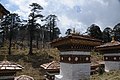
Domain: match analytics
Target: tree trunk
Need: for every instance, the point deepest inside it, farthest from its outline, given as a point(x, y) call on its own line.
point(31, 40)
point(31, 37)
point(53, 29)
point(50, 32)
point(37, 42)
point(10, 43)
point(3, 38)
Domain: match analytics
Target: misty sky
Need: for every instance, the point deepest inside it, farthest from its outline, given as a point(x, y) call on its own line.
point(79, 14)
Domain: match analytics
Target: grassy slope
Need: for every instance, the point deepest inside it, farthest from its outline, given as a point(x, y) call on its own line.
point(31, 63)
point(112, 75)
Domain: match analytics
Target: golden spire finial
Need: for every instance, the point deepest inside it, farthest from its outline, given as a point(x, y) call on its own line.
point(113, 39)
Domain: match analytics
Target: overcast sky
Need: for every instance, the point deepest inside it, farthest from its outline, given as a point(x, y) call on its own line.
point(79, 14)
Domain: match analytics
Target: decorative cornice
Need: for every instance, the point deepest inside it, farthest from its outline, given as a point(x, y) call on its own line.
point(75, 59)
point(112, 58)
point(73, 47)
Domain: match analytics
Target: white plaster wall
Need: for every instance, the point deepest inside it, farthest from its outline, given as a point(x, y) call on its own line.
point(112, 65)
point(74, 71)
point(81, 71)
point(66, 69)
point(76, 53)
point(111, 54)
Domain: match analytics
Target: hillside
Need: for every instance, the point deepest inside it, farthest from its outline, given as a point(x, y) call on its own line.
point(31, 63)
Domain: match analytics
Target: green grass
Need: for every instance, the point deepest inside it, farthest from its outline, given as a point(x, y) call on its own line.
point(36, 73)
point(112, 75)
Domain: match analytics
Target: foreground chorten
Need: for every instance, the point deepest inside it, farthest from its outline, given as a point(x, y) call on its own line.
point(51, 69)
point(8, 70)
point(75, 56)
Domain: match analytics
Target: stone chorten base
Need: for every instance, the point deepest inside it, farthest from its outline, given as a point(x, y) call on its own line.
point(112, 65)
point(74, 72)
point(112, 62)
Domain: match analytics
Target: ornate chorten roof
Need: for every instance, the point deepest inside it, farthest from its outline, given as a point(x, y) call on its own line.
point(3, 10)
point(11, 66)
point(112, 46)
point(52, 66)
point(75, 41)
point(24, 77)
